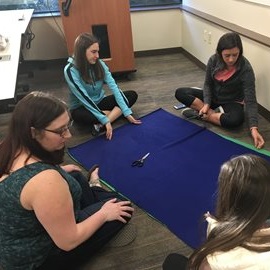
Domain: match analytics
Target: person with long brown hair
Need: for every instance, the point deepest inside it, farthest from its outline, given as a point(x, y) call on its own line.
point(85, 75)
point(228, 91)
point(238, 235)
point(50, 217)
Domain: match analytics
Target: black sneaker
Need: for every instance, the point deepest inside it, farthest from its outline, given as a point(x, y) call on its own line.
point(97, 129)
point(190, 114)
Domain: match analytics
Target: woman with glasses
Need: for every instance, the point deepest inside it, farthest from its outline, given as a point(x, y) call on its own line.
point(50, 217)
point(85, 75)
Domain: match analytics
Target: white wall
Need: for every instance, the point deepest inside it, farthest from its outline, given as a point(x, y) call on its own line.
point(49, 42)
point(151, 30)
point(243, 13)
point(173, 28)
point(156, 29)
point(200, 37)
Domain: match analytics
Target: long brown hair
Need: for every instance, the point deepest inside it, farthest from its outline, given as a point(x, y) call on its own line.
point(243, 207)
point(229, 41)
point(87, 70)
point(36, 110)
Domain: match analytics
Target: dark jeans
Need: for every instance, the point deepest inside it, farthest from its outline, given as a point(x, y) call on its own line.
point(84, 117)
point(233, 115)
point(91, 201)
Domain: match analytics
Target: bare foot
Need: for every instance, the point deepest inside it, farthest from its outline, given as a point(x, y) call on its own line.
point(94, 180)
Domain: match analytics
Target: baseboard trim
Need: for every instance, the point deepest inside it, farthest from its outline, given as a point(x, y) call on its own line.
point(158, 52)
point(194, 59)
point(264, 112)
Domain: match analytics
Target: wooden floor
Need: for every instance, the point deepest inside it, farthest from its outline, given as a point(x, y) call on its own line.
point(156, 79)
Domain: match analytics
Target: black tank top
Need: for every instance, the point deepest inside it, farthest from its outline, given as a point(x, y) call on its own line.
point(24, 243)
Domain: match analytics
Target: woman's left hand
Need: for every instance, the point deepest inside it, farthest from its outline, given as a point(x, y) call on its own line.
point(257, 137)
point(71, 168)
point(132, 120)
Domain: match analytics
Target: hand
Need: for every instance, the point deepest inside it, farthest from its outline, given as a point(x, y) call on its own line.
point(114, 210)
point(204, 110)
point(132, 120)
point(257, 138)
point(71, 168)
point(109, 131)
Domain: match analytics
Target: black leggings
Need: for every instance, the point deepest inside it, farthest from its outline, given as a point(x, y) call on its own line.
point(175, 261)
point(84, 117)
point(233, 115)
point(91, 201)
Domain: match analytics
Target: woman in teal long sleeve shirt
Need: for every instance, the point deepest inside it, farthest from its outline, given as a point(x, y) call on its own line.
point(85, 75)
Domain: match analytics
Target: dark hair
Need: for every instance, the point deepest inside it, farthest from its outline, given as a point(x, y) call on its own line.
point(229, 41)
point(36, 110)
point(82, 43)
point(242, 208)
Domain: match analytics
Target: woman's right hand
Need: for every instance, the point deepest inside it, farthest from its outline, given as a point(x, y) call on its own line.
point(117, 210)
point(204, 110)
point(133, 120)
point(257, 138)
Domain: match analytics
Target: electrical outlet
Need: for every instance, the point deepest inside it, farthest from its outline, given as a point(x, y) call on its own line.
point(204, 35)
point(209, 37)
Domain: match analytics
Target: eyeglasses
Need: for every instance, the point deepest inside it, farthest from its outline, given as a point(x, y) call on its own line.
point(61, 131)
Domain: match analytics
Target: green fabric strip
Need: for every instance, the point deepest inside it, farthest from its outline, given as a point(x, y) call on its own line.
point(247, 145)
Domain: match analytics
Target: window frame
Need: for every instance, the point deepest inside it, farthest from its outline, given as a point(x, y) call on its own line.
point(143, 5)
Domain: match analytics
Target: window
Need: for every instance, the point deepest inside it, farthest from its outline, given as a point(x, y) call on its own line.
point(49, 6)
point(147, 3)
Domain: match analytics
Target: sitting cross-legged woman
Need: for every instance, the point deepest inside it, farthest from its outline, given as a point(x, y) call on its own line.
point(86, 75)
point(228, 91)
point(50, 217)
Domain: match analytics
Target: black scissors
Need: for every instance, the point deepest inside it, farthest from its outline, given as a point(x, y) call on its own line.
point(139, 162)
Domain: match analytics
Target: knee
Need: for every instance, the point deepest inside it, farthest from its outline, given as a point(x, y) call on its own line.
point(179, 93)
point(184, 96)
point(119, 199)
point(228, 120)
point(132, 97)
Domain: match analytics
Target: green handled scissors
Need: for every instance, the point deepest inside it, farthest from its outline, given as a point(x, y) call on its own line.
point(139, 162)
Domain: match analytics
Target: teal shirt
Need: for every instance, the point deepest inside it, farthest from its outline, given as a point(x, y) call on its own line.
point(24, 243)
point(89, 95)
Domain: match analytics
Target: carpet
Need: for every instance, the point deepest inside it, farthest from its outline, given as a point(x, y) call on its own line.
point(177, 183)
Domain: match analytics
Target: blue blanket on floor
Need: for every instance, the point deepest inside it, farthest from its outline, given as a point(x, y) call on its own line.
point(177, 183)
